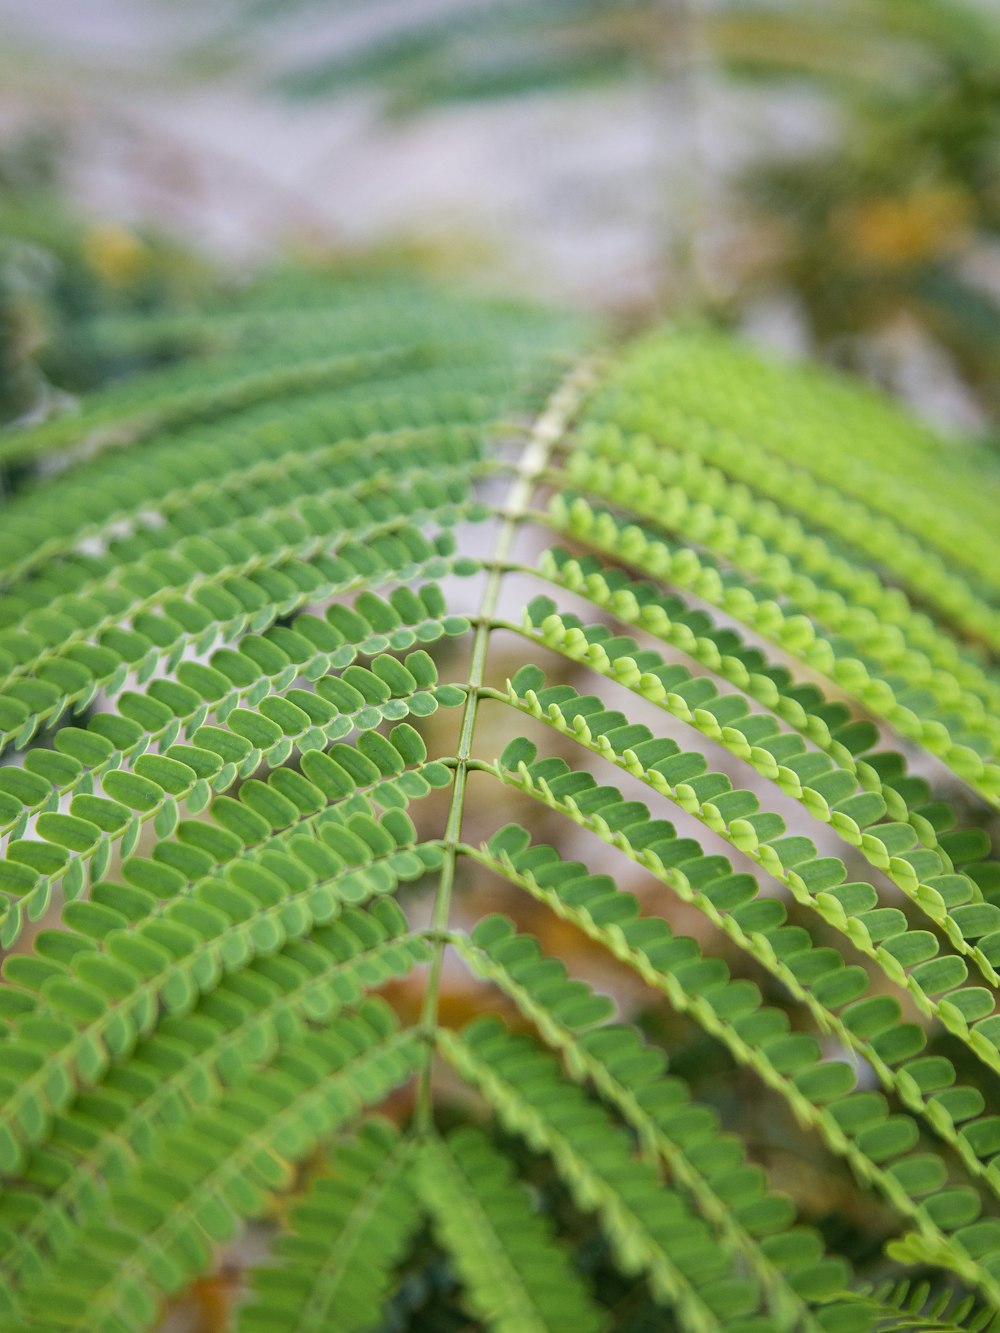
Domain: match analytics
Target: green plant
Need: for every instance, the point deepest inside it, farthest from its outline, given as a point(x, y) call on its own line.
point(889, 224)
point(57, 274)
point(235, 616)
point(896, 224)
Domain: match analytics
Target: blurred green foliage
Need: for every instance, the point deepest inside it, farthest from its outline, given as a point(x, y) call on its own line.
point(898, 216)
point(58, 272)
point(894, 221)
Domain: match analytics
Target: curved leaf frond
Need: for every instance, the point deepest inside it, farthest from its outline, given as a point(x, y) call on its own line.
point(275, 616)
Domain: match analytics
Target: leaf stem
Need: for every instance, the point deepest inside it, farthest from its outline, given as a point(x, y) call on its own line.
point(548, 429)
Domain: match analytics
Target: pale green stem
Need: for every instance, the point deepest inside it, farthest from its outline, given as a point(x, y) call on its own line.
point(548, 430)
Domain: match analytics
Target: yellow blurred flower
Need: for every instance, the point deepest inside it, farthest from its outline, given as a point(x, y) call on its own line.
point(114, 253)
point(893, 231)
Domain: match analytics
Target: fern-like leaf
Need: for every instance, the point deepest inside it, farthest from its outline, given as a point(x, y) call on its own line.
point(347, 1232)
point(515, 1277)
point(262, 734)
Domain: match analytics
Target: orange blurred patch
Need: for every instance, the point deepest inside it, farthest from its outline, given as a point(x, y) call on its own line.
point(459, 1002)
point(897, 231)
point(212, 1300)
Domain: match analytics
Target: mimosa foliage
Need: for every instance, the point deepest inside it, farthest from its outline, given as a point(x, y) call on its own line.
point(262, 743)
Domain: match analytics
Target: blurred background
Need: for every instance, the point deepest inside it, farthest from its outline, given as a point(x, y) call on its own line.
point(823, 175)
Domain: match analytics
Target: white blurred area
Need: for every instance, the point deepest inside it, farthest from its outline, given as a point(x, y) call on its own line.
point(578, 197)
